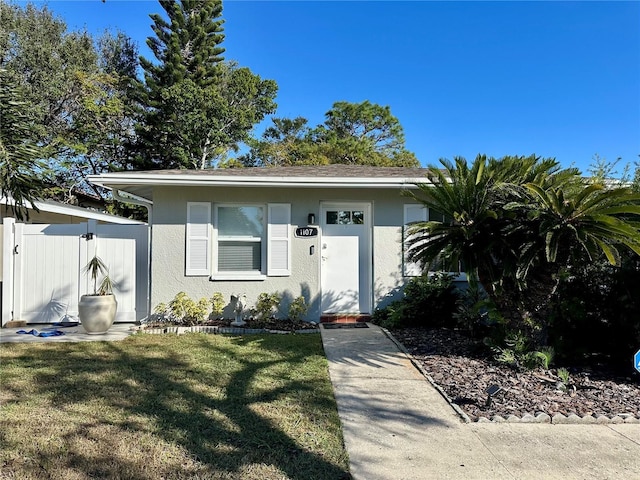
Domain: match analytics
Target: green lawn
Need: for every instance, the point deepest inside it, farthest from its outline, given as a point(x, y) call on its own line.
point(165, 406)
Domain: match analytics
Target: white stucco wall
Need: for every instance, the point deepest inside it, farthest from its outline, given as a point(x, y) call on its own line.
point(168, 243)
point(1, 251)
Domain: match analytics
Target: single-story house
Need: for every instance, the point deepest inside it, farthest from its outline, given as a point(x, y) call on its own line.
point(333, 234)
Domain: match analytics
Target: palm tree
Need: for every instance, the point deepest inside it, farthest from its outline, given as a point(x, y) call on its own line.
point(19, 155)
point(515, 223)
point(572, 225)
point(474, 198)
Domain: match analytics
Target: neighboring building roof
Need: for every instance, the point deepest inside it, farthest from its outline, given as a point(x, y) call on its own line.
point(312, 176)
point(64, 210)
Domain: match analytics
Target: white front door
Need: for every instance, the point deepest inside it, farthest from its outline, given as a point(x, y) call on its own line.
point(346, 257)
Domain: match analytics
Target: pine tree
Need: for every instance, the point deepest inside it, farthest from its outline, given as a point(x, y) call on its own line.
point(187, 49)
point(196, 106)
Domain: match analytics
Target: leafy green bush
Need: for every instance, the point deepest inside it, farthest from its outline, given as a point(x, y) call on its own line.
point(429, 301)
point(597, 313)
point(217, 304)
point(516, 350)
point(267, 305)
point(183, 310)
point(475, 313)
point(389, 316)
point(298, 308)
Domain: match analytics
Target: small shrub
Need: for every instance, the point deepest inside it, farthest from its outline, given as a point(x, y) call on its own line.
point(217, 304)
point(564, 376)
point(298, 308)
point(515, 351)
point(267, 305)
point(161, 309)
point(546, 356)
point(476, 314)
point(429, 301)
point(161, 314)
point(389, 316)
point(179, 305)
point(182, 310)
point(198, 311)
point(596, 312)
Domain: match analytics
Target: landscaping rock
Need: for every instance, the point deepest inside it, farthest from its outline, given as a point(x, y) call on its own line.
point(559, 419)
point(543, 418)
point(464, 368)
point(527, 418)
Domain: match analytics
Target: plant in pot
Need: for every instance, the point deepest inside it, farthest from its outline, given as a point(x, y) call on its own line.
point(97, 311)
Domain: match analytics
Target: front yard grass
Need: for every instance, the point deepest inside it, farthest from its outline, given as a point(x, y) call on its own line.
point(166, 406)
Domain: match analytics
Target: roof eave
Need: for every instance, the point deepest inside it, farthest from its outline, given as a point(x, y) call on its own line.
point(107, 180)
point(74, 211)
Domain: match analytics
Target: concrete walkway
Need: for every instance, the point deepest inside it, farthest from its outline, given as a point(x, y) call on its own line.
point(398, 427)
point(118, 331)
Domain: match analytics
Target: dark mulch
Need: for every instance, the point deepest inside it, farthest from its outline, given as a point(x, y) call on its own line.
point(285, 325)
point(465, 369)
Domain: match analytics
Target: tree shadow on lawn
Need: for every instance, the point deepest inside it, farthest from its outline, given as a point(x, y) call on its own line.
point(211, 411)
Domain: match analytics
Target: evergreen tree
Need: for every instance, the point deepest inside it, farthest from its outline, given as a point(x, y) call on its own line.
point(196, 106)
point(186, 47)
point(353, 133)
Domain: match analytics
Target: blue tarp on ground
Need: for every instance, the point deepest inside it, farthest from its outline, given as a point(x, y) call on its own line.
point(34, 332)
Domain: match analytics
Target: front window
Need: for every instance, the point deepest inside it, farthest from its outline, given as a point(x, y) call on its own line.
point(345, 217)
point(420, 213)
point(240, 238)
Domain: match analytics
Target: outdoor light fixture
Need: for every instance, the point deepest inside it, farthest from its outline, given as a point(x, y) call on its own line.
point(491, 391)
point(311, 218)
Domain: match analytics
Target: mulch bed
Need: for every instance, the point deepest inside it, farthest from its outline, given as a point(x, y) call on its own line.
point(464, 369)
point(282, 325)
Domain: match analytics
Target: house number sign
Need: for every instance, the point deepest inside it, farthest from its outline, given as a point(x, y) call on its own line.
point(306, 232)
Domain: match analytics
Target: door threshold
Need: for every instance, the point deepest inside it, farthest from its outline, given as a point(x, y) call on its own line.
point(345, 318)
point(331, 326)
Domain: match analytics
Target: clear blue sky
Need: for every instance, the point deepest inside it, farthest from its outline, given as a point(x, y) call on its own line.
point(559, 79)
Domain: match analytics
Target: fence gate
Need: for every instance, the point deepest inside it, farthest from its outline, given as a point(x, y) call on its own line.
point(45, 270)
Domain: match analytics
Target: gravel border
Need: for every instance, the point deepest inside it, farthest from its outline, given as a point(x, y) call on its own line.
point(557, 419)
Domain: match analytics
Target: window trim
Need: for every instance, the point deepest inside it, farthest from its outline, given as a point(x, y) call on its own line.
point(239, 275)
point(458, 276)
point(410, 269)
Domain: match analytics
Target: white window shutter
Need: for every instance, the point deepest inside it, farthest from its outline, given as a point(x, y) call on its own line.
point(412, 213)
point(198, 241)
point(279, 240)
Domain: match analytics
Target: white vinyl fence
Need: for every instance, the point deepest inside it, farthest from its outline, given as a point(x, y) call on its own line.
point(42, 269)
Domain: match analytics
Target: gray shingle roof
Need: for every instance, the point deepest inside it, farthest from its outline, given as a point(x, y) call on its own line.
point(320, 171)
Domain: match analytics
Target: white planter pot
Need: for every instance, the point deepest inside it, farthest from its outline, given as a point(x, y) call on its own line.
point(97, 312)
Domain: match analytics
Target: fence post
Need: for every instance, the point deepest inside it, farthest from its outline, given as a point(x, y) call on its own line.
point(8, 245)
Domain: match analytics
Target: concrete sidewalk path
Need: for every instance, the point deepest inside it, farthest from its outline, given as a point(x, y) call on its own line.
point(118, 331)
point(398, 427)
